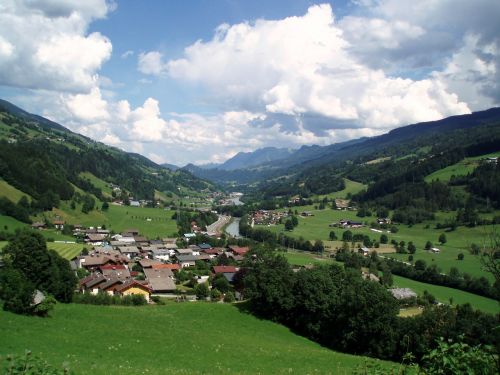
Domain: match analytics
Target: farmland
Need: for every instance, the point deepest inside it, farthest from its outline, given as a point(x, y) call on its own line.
point(174, 339)
point(458, 241)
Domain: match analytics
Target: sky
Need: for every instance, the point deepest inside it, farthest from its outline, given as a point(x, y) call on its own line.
point(198, 81)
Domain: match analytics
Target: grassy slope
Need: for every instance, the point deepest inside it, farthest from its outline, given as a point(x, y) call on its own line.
point(97, 182)
point(186, 338)
point(444, 294)
point(441, 293)
point(461, 168)
point(9, 191)
point(352, 187)
point(459, 241)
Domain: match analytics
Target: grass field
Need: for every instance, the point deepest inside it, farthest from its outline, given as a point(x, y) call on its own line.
point(351, 187)
point(458, 241)
point(10, 192)
point(444, 295)
point(441, 293)
point(461, 168)
point(66, 250)
point(98, 183)
point(120, 218)
point(9, 224)
point(185, 338)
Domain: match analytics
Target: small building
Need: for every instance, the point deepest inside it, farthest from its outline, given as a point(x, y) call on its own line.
point(132, 287)
point(364, 250)
point(58, 224)
point(402, 293)
point(435, 250)
point(38, 225)
point(186, 260)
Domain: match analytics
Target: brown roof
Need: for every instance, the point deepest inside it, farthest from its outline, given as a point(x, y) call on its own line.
point(238, 250)
point(132, 283)
point(225, 269)
point(173, 267)
point(147, 263)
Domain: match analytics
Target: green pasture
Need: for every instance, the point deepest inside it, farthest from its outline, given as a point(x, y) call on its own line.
point(10, 192)
point(183, 338)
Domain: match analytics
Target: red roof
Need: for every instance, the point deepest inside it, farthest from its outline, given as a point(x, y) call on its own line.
point(173, 267)
point(225, 269)
point(212, 251)
point(113, 267)
point(239, 250)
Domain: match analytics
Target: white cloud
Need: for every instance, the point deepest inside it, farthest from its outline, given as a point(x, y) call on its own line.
point(151, 63)
point(304, 66)
point(127, 54)
point(45, 45)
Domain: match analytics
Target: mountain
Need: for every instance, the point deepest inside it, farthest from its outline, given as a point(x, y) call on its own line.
point(172, 167)
point(49, 163)
point(314, 156)
point(243, 160)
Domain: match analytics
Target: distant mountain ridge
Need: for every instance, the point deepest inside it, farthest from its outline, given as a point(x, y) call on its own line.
point(244, 160)
point(314, 156)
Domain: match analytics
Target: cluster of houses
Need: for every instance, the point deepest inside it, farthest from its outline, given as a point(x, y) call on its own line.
point(347, 224)
point(132, 264)
point(265, 217)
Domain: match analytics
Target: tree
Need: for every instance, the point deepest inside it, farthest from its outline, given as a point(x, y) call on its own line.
point(394, 229)
point(288, 225)
point(215, 295)
point(105, 206)
point(411, 248)
point(347, 236)
point(318, 246)
point(420, 265)
point(201, 291)
point(295, 221)
point(384, 239)
point(333, 236)
point(229, 297)
point(442, 238)
point(460, 256)
point(220, 282)
point(428, 245)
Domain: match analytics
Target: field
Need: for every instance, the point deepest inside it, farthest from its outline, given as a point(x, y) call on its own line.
point(66, 250)
point(461, 168)
point(351, 187)
point(459, 241)
point(151, 222)
point(442, 294)
point(10, 192)
point(9, 224)
point(97, 182)
point(185, 338)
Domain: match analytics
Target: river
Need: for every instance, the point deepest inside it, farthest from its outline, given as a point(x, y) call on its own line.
point(233, 229)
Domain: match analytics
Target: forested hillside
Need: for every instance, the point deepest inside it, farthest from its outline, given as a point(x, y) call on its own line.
point(45, 161)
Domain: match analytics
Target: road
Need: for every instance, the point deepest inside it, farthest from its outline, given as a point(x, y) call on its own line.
point(215, 228)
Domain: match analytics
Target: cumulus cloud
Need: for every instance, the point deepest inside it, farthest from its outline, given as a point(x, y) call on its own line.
point(303, 67)
point(151, 63)
point(45, 44)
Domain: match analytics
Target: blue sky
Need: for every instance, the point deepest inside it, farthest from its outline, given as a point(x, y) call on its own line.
point(199, 81)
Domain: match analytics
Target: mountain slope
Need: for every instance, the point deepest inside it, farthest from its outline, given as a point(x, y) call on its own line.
point(45, 160)
point(244, 160)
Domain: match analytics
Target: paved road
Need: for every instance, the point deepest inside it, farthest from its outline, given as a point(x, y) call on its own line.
point(216, 227)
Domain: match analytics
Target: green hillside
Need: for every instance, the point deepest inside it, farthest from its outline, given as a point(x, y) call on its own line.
point(10, 192)
point(185, 338)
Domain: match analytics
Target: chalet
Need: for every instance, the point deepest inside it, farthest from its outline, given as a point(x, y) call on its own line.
point(364, 251)
point(95, 239)
point(148, 263)
point(133, 287)
point(169, 240)
point(384, 220)
point(58, 224)
point(111, 285)
point(96, 260)
point(236, 250)
point(118, 271)
point(224, 269)
point(38, 225)
point(174, 267)
point(187, 260)
point(161, 254)
point(170, 246)
point(141, 239)
point(188, 251)
point(306, 213)
point(435, 250)
point(402, 293)
point(131, 232)
point(160, 279)
point(92, 285)
point(129, 251)
point(135, 204)
point(213, 253)
point(205, 246)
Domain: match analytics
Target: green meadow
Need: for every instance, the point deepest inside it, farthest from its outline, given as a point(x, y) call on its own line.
point(10, 192)
point(461, 168)
point(458, 241)
point(183, 338)
point(351, 187)
point(445, 295)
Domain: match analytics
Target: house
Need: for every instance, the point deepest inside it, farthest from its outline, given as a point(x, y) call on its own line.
point(161, 254)
point(306, 213)
point(169, 240)
point(224, 269)
point(435, 250)
point(187, 260)
point(38, 225)
point(402, 293)
point(91, 284)
point(236, 250)
point(118, 271)
point(95, 239)
point(131, 232)
point(188, 251)
point(364, 250)
point(96, 260)
point(133, 287)
point(213, 253)
point(135, 204)
point(161, 280)
point(188, 236)
point(174, 267)
point(129, 251)
point(148, 263)
point(58, 224)
point(111, 285)
point(205, 246)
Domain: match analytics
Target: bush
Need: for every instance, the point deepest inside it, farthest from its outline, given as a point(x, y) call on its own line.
point(29, 364)
point(229, 297)
point(215, 295)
